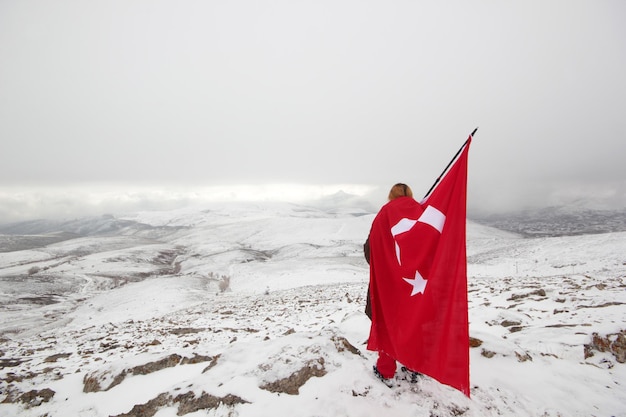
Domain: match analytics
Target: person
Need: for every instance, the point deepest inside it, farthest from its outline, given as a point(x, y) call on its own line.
point(385, 368)
point(398, 190)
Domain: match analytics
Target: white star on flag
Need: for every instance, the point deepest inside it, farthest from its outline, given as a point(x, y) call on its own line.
point(418, 283)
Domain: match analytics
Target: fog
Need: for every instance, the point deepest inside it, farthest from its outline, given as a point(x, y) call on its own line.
point(161, 99)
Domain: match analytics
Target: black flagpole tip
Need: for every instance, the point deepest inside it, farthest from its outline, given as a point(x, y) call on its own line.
point(474, 132)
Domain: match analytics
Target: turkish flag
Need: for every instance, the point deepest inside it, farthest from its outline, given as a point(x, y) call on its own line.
point(418, 280)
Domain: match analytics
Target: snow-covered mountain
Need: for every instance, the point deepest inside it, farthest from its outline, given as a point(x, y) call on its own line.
point(257, 309)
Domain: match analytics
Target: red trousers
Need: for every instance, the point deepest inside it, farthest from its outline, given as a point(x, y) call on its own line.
point(386, 365)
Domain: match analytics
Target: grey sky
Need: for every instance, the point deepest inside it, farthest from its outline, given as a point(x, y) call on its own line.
point(316, 92)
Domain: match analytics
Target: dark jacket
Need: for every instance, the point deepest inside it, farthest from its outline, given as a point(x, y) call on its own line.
point(368, 304)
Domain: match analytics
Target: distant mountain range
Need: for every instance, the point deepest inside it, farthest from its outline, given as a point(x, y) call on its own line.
point(557, 221)
point(542, 222)
point(39, 233)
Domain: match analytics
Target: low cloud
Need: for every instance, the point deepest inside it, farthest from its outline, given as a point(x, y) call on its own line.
point(70, 202)
point(64, 203)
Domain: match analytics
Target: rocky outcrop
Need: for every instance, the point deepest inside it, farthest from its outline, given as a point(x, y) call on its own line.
point(105, 380)
point(614, 343)
point(291, 384)
point(187, 403)
point(31, 398)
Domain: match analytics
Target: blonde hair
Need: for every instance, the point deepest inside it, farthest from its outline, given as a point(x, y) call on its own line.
point(400, 190)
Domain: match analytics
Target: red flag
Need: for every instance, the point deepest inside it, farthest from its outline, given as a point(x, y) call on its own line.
point(418, 281)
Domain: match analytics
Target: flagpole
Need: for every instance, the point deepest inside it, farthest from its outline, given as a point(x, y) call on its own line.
point(453, 159)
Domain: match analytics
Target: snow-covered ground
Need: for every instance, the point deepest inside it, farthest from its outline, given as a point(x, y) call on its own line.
point(257, 310)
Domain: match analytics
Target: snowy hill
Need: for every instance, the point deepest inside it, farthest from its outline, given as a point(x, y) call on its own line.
point(257, 310)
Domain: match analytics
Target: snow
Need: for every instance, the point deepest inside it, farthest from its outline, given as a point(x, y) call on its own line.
point(103, 306)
